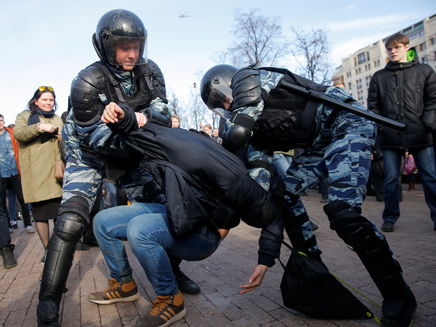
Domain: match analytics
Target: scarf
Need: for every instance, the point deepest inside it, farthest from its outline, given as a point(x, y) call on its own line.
point(126, 80)
point(34, 117)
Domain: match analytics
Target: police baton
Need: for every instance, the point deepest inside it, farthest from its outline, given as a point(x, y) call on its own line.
point(343, 106)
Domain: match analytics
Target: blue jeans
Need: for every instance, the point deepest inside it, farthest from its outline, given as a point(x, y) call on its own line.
point(112, 190)
point(425, 162)
point(281, 163)
point(145, 226)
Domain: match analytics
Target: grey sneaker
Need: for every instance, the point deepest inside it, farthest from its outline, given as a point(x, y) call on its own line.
point(8, 257)
point(30, 229)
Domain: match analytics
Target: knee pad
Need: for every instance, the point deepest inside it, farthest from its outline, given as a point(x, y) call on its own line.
point(340, 213)
point(73, 217)
point(70, 226)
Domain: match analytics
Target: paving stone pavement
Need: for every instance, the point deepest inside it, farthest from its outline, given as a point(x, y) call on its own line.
point(219, 303)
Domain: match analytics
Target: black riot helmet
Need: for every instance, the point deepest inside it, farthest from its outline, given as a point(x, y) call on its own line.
point(215, 86)
point(117, 26)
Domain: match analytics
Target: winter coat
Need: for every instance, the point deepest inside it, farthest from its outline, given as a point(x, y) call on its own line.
point(405, 92)
point(37, 159)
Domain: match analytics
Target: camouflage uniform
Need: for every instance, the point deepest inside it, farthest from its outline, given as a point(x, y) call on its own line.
point(84, 170)
point(340, 152)
point(83, 175)
point(339, 148)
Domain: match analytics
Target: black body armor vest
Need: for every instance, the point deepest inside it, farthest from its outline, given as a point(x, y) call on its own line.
point(288, 119)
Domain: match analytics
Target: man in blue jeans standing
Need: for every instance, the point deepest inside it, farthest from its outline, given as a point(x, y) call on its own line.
point(10, 171)
point(405, 91)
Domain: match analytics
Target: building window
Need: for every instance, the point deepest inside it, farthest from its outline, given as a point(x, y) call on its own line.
point(361, 58)
point(367, 56)
point(433, 41)
point(369, 66)
point(423, 61)
point(360, 70)
point(360, 96)
point(422, 47)
point(349, 86)
point(416, 34)
point(368, 79)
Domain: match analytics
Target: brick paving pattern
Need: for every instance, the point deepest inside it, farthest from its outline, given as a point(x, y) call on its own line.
point(219, 303)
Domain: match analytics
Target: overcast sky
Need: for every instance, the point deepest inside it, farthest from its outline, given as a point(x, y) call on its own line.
point(49, 42)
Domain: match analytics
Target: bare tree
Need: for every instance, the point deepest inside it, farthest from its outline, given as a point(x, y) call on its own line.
point(195, 111)
point(258, 40)
point(311, 50)
point(173, 102)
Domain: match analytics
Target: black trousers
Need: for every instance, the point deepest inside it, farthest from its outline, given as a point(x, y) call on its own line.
point(14, 183)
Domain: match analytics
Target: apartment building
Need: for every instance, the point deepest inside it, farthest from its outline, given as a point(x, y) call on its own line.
point(357, 69)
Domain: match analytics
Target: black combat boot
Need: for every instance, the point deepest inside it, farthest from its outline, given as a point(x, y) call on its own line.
point(47, 313)
point(399, 303)
point(185, 284)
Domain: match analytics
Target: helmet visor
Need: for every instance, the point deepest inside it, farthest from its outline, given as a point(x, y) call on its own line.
point(220, 94)
point(122, 50)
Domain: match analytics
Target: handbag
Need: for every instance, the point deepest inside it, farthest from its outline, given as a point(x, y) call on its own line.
point(409, 165)
point(59, 169)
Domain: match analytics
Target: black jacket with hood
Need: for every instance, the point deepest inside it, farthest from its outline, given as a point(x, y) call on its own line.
point(203, 183)
point(405, 92)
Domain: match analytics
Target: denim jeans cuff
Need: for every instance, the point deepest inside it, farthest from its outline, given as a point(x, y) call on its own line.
point(125, 279)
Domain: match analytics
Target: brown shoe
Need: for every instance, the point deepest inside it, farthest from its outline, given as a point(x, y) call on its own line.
point(164, 311)
point(116, 292)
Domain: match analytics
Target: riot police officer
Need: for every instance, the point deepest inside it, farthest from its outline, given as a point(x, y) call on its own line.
point(267, 115)
point(124, 75)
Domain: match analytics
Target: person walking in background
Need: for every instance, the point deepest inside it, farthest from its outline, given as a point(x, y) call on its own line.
point(175, 121)
point(10, 172)
point(38, 133)
point(405, 91)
